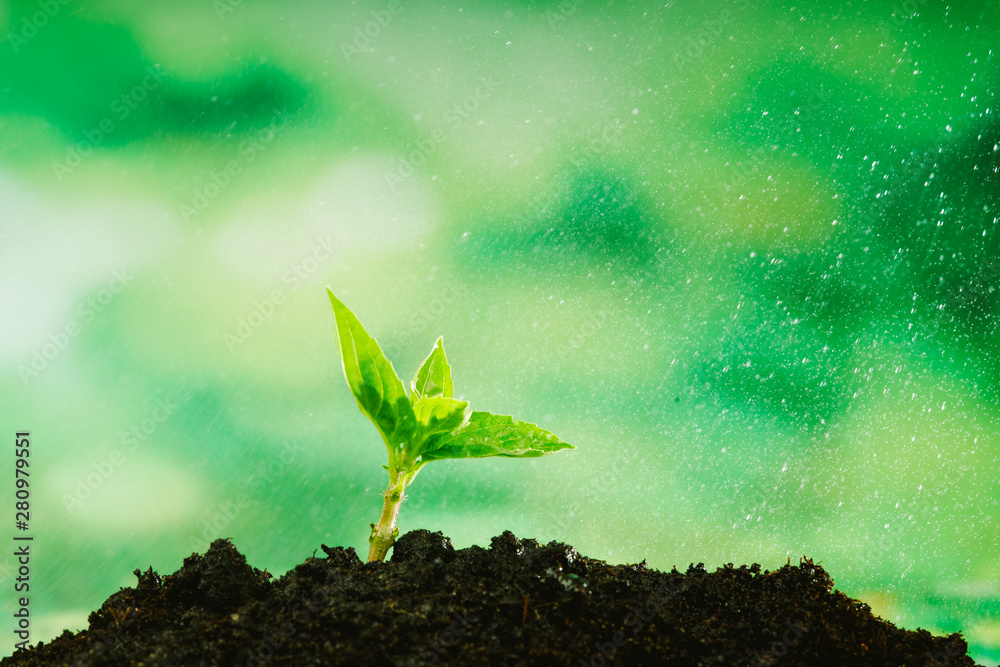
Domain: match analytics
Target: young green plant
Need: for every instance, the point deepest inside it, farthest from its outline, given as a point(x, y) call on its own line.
point(427, 425)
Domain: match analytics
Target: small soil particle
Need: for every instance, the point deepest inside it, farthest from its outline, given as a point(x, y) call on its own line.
point(516, 603)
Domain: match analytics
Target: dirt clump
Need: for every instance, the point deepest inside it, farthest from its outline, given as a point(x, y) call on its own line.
point(515, 603)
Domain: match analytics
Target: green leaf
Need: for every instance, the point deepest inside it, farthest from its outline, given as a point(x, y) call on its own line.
point(434, 376)
point(487, 434)
point(437, 413)
point(437, 417)
point(374, 383)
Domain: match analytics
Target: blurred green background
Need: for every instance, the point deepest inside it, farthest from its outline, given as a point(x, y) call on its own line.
point(743, 256)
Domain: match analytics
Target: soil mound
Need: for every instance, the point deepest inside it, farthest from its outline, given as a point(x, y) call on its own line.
point(515, 603)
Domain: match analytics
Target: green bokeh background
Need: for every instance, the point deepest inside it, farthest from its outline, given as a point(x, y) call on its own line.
point(742, 256)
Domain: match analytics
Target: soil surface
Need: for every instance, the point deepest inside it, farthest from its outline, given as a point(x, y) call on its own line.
point(515, 603)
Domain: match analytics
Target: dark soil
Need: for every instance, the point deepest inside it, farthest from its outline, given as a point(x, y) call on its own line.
point(516, 603)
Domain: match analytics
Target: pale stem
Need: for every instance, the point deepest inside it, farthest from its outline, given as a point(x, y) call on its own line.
point(384, 534)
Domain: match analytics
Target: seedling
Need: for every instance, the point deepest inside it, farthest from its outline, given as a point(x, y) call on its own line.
point(428, 425)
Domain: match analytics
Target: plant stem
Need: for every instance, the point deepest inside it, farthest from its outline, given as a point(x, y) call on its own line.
point(384, 534)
